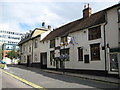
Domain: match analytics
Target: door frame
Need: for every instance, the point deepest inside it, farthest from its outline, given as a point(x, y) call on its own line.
point(44, 66)
point(109, 63)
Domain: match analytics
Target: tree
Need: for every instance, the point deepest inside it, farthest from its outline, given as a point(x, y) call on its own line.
point(12, 54)
point(1, 54)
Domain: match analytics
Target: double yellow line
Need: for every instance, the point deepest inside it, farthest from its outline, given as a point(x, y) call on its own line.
point(25, 81)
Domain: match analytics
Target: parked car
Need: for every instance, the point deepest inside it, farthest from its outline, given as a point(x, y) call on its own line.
point(2, 62)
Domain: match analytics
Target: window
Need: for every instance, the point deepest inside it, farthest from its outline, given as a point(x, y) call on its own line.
point(36, 43)
point(119, 35)
point(95, 51)
point(24, 59)
point(65, 52)
point(118, 15)
point(64, 39)
point(80, 54)
point(35, 58)
point(52, 55)
point(21, 49)
point(52, 43)
point(94, 33)
point(24, 49)
point(30, 49)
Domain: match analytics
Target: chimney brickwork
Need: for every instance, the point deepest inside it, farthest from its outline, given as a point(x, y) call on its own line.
point(87, 11)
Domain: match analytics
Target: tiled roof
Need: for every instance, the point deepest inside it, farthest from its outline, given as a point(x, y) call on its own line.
point(24, 40)
point(30, 35)
point(80, 24)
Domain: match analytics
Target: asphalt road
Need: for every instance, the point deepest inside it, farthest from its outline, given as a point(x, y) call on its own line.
point(50, 80)
point(10, 82)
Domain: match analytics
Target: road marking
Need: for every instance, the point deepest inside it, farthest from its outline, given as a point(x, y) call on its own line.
point(25, 81)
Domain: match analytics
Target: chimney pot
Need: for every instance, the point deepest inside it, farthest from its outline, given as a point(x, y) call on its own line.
point(88, 5)
point(43, 24)
point(84, 6)
point(49, 27)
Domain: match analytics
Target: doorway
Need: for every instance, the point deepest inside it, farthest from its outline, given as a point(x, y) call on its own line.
point(43, 60)
point(28, 61)
point(114, 62)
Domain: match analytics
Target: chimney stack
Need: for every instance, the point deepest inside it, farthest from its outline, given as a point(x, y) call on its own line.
point(49, 27)
point(87, 11)
point(84, 6)
point(43, 24)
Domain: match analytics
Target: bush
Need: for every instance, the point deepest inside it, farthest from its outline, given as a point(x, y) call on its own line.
point(2, 66)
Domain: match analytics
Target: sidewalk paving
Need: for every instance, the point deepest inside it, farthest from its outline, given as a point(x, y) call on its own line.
point(92, 77)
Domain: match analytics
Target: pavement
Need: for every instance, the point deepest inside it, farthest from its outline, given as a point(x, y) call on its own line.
point(97, 78)
point(10, 82)
point(84, 76)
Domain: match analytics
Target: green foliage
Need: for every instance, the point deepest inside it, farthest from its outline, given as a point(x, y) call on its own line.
point(12, 54)
point(2, 65)
point(0, 54)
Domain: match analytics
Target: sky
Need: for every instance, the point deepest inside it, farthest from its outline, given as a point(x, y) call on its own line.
point(25, 15)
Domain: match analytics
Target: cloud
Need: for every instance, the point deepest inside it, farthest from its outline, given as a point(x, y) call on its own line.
point(59, 0)
point(30, 14)
point(23, 15)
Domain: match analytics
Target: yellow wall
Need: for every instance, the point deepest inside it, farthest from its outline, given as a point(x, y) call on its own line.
point(37, 32)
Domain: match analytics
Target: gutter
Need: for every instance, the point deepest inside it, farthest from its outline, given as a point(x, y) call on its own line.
point(105, 41)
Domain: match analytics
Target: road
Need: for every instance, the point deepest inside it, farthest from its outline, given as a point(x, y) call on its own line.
point(50, 80)
point(9, 82)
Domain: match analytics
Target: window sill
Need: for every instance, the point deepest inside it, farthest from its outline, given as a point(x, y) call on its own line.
point(80, 60)
point(52, 47)
point(95, 60)
point(94, 39)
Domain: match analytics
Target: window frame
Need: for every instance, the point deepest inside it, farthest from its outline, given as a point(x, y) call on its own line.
point(80, 54)
point(29, 48)
point(64, 39)
point(65, 51)
point(95, 48)
point(35, 58)
point(52, 43)
point(94, 33)
point(118, 14)
point(52, 56)
point(35, 43)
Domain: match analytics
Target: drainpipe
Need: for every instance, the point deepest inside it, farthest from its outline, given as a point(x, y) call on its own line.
point(105, 51)
point(32, 52)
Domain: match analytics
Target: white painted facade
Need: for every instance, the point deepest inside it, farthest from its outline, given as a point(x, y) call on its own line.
point(112, 36)
point(82, 39)
point(112, 30)
point(29, 51)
